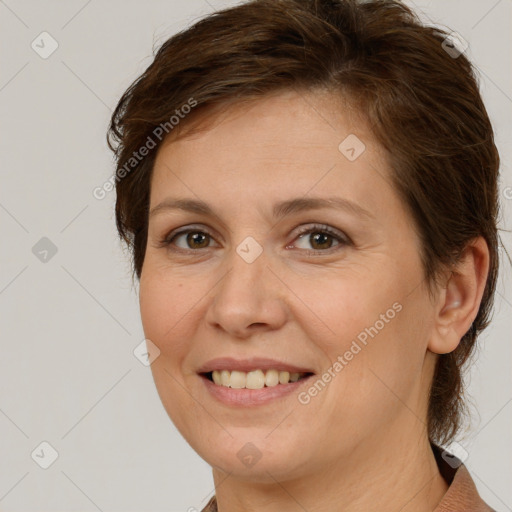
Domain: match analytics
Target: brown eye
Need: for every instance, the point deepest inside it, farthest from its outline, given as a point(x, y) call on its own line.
point(322, 238)
point(194, 239)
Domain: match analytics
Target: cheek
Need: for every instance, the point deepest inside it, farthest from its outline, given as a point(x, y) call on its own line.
point(380, 378)
point(375, 346)
point(163, 310)
point(163, 306)
point(347, 308)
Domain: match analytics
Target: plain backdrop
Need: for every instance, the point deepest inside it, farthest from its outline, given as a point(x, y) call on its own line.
point(69, 313)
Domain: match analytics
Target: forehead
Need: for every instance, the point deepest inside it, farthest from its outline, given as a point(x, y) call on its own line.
point(321, 110)
point(288, 143)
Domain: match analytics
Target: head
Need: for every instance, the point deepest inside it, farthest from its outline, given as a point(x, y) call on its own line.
point(275, 100)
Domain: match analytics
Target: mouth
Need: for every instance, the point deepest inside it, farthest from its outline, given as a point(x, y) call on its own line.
point(253, 381)
point(256, 379)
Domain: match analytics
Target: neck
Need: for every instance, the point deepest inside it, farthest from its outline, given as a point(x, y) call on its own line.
point(386, 477)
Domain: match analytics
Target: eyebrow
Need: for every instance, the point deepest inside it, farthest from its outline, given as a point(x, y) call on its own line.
point(280, 210)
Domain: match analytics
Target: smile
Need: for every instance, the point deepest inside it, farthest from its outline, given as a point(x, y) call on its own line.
point(255, 379)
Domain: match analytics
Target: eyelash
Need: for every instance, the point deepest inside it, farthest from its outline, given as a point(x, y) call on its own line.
point(342, 240)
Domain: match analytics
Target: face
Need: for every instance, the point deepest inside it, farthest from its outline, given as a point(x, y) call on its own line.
point(336, 291)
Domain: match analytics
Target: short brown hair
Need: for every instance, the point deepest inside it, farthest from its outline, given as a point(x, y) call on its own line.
point(422, 103)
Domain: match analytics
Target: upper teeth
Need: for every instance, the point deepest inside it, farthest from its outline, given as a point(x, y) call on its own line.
point(256, 379)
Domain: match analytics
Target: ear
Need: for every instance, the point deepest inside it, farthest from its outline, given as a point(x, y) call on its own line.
point(457, 303)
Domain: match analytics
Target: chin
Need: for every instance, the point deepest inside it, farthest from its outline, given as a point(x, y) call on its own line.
point(253, 458)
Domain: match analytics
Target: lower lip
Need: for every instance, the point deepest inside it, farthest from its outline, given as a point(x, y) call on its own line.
point(251, 397)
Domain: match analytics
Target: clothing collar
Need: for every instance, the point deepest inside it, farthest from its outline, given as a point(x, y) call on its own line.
point(462, 494)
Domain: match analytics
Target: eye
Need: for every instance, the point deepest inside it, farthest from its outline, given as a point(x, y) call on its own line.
point(321, 238)
point(192, 239)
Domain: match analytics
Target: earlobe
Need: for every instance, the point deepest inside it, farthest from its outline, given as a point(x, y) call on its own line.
point(459, 300)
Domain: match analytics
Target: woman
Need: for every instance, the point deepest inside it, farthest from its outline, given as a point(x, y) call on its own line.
point(309, 191)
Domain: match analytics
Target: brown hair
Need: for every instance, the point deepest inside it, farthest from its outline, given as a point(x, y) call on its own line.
point(423, 104)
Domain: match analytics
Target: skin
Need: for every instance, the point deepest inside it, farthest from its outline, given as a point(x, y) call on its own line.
point(361, 443)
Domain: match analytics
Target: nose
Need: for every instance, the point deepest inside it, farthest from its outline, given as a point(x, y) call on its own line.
point(248, 298)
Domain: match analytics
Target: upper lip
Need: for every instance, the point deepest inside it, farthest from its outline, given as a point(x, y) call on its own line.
point(250, 364)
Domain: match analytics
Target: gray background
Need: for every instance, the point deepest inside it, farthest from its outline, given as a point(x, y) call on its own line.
point(70, 324)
